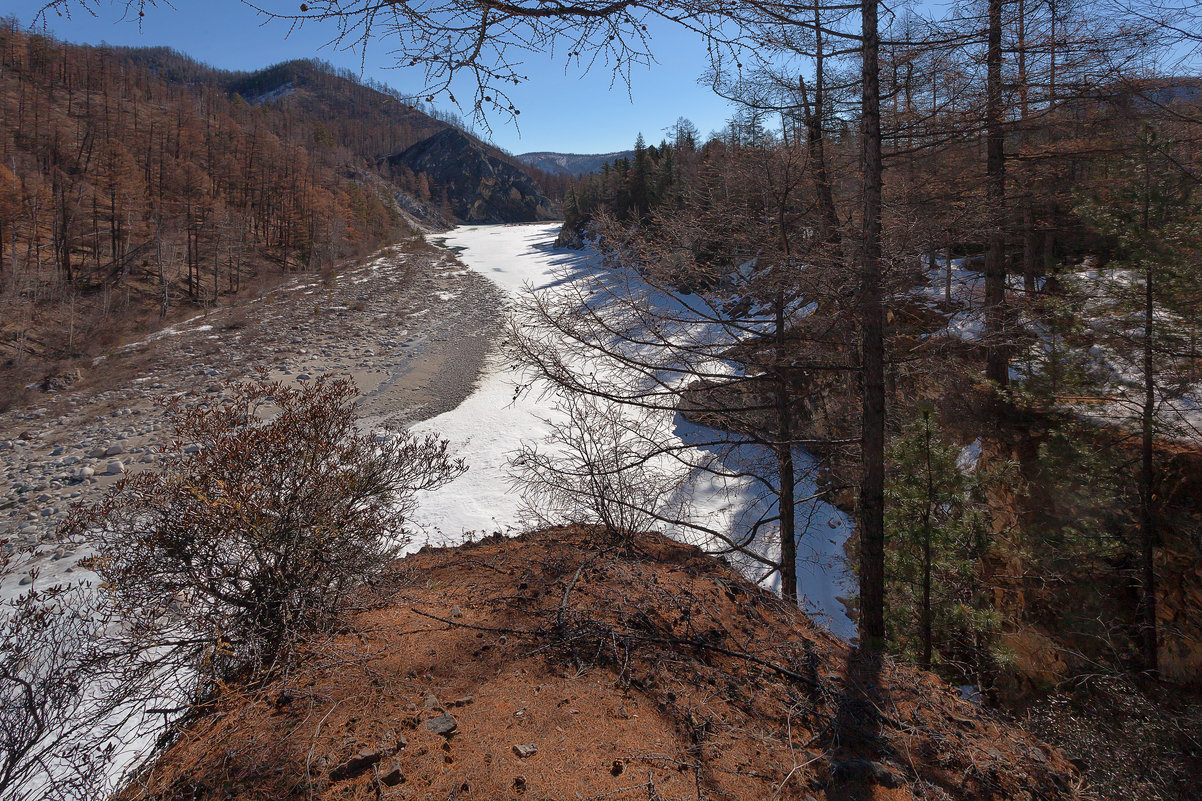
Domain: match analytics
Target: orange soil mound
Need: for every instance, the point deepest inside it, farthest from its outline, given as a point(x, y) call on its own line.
point(570, 669)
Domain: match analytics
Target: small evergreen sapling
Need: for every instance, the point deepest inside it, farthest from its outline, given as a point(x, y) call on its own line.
point(937, 524)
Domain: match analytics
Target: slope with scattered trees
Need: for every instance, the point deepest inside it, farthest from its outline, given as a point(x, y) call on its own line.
point(137, 185)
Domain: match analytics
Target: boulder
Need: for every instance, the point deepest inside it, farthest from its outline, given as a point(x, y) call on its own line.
point(356, 765)
point(443, 725)
point(393, 776)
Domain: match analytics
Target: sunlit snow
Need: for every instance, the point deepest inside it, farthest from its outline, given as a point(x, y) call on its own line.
point(495, 420)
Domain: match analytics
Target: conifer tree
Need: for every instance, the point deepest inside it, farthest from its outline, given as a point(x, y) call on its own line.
point(937, 531)
point(1148, 211)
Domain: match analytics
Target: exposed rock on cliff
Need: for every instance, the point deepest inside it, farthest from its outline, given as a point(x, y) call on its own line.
point(559, 665)
point(481, 187)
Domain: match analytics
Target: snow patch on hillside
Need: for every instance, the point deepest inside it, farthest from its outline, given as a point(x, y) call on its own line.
point(571, 163)
point(275, 94)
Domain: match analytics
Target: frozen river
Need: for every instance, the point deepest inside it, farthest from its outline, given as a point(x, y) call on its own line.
point(494, 422)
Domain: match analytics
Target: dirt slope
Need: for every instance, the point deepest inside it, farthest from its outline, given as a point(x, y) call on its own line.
point(553, 667)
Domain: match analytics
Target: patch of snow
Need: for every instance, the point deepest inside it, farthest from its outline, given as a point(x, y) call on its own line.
point(169, 331)
point(275, 94)
point(1115, 357)
point(969, 457)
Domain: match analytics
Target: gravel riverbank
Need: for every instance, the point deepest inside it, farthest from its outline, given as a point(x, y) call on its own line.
point(411, 325)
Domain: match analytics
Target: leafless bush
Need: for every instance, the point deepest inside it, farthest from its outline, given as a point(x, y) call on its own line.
point(273, 510)
point(63, 695)
point(236, 319)
point(13, 393)
point(600, 465)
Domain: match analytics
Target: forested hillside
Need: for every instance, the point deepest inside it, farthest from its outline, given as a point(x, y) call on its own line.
point(137, 184)
point(570, 163)
point(476, 184)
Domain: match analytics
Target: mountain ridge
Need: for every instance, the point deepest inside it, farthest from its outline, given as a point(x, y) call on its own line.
point(574, 164)
point(480, 185)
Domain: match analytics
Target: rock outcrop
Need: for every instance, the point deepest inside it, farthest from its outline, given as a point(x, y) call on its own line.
point(480, 185)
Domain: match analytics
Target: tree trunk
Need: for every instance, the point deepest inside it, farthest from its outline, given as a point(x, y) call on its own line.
point(1049, 251)
point(997, 367)
point(1023, 89)
point(815, 140)
point(947, 285)
point(786, 503)
point(872, 356)
point(1147, 490)
point(788, 529)
point(158, 255)
point(927, 634)
point(216, 264)
point(1030, 251)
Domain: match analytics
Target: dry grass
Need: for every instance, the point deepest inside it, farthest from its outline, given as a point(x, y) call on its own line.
point(1132, 740)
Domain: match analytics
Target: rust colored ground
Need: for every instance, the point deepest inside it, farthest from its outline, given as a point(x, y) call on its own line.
point(645, 672)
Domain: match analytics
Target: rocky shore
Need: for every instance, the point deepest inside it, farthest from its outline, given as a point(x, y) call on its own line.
point(411, 325)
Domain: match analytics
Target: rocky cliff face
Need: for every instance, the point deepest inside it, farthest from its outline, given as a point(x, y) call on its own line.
point(481, 187)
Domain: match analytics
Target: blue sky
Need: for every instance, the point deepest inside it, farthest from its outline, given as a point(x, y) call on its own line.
point(560, 112)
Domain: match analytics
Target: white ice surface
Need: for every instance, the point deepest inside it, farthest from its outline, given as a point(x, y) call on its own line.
point(494, 421)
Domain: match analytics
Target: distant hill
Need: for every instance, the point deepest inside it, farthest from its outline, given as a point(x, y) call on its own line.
point(145, 174)
point(457, 175)
point(479, 183)
point(571, 163)
point(369, 120)
point(375, 124)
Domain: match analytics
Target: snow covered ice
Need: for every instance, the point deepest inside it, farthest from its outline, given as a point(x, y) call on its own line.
point(496, 419)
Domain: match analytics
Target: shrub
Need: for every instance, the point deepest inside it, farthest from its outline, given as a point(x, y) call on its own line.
point(274, 508)
point(598, 467)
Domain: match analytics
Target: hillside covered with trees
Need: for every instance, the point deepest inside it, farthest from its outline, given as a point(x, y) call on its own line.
point(137, 185)
point(1041, 357)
